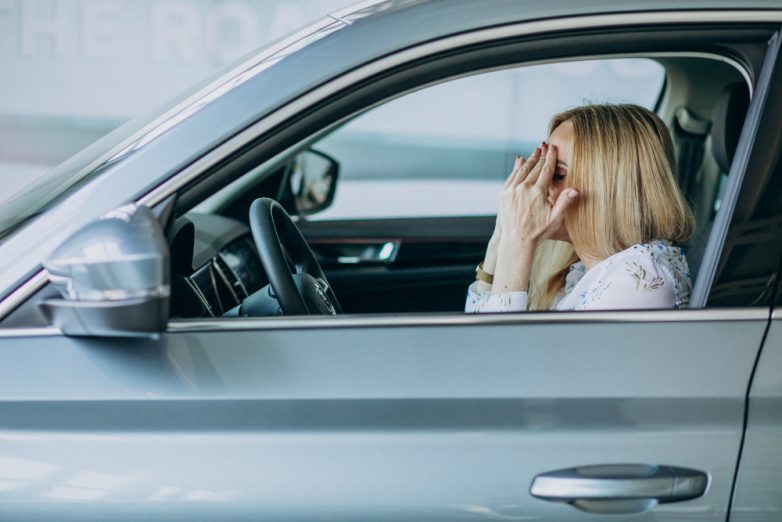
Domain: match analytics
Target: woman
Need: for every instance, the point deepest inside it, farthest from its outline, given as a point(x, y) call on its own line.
point(604, 187)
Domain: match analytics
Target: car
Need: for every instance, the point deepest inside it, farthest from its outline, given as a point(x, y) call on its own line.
point(250, 305)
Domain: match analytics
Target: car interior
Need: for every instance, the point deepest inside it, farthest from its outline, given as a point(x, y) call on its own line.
point(407, 264)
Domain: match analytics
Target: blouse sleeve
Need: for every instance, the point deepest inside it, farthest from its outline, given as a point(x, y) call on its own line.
point(482, 302)
point(637, 282)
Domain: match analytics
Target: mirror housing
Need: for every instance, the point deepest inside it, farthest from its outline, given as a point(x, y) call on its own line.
point(113, 275)
point(313, 181)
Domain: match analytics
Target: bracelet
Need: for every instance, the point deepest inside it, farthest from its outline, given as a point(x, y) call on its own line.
point(482, 275)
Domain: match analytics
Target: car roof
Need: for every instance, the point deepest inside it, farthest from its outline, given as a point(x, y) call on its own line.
point(430, 17)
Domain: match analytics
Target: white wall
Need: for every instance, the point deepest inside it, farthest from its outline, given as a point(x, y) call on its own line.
point(72, 70)
point(116, 58)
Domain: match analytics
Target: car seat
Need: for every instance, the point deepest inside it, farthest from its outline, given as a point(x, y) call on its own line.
point(710, 181)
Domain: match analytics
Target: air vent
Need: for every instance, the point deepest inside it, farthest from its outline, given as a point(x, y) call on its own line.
point(229, 277)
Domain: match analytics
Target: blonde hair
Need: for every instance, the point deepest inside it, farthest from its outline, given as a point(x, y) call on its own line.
point(623, 167)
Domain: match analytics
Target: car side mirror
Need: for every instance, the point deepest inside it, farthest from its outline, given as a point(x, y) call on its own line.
point(313, 180)
point(113, 275)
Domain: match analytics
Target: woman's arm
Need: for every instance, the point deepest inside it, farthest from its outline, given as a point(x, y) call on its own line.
point(490, 259)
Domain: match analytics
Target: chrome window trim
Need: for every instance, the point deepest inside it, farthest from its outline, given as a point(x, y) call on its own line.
point(23, 292)
point(43, 331)
point(776, 314)
point(219, 324)
point(462, 319)
point(528, 28)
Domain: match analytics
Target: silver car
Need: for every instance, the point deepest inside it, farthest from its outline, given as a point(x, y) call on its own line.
point(175, 346)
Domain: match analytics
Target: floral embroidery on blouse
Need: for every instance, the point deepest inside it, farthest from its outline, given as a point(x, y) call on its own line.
point(647, 275)
point(597, 292)
point(638, 273)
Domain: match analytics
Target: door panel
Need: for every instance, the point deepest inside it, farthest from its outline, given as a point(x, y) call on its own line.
point(426, 266)
point(758, 494)
point(441, 418)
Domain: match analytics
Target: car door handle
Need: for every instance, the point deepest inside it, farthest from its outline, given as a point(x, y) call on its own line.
point(361, 252)
point(619, 488)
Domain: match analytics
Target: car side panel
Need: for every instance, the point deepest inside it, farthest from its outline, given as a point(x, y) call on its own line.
point(420, 422)
point(758, 494)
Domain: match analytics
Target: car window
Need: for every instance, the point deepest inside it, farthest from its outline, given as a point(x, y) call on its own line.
point(445, 150)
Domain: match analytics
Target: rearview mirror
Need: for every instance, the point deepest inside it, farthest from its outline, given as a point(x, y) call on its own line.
point(313, 181)
point(113, 275)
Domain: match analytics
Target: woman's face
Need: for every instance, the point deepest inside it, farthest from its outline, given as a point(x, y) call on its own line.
point(562, 139)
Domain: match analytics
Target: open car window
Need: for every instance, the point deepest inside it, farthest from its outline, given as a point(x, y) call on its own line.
point(419, 175)
point(445, 150)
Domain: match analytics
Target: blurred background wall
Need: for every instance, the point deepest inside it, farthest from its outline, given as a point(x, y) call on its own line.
point(73, 70)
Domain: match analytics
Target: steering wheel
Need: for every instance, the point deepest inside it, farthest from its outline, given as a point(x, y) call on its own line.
point(283, 250)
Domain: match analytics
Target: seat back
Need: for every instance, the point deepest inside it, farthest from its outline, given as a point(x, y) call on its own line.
point(726, 124)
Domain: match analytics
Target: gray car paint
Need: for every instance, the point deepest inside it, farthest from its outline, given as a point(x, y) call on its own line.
point(757, 497)
point(360, 423)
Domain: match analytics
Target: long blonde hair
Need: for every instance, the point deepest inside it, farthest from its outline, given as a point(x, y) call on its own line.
point(623, 167)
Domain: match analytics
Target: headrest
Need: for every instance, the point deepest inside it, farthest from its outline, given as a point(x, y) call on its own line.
point(727, 121)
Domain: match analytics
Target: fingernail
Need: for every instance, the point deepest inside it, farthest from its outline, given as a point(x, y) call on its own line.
point(572, 193)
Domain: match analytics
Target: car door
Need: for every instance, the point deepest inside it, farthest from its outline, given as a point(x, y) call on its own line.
point(381, 418)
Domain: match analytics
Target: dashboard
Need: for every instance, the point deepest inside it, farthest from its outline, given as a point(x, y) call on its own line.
point(215, 265)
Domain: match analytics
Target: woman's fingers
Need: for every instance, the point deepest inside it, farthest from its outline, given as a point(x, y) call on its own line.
point(549, 167)
point(534, 172)
point(528, 166)
point(519, 163)
point(542, 176)
point(566, 198)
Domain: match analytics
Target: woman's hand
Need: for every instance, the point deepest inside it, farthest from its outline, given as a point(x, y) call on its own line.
point(498, 225)
point(527, 212)
point(526, 217)
point(490, 259)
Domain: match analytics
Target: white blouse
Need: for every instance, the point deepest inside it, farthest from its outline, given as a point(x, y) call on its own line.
point(647, 275)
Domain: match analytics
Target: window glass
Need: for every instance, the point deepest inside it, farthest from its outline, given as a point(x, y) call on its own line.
point(445, 150)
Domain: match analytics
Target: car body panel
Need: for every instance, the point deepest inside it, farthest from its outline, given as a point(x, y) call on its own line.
point(757, 497)
point(367, 422)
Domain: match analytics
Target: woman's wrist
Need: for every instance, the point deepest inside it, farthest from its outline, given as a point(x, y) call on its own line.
point(490, 259)
point(519, 244)
point(514, 265)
